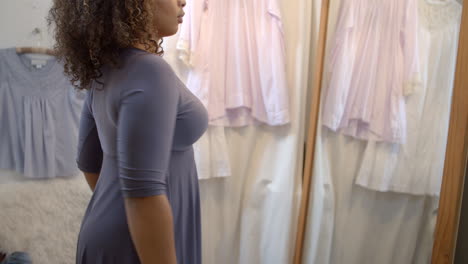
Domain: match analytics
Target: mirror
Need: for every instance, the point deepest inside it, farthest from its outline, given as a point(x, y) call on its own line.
point(382, 133)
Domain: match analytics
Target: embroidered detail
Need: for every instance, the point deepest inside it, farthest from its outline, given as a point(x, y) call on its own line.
point(436, 14)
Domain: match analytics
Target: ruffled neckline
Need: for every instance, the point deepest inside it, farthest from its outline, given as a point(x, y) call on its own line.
point(18, 65)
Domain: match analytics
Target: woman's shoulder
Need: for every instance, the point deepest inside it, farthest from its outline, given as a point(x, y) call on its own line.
point(147, 63)
point(148, 72)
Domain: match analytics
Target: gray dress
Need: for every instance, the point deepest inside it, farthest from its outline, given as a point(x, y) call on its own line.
point(138, 133)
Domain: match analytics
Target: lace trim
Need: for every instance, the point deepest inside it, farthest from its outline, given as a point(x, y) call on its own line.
point(437, 14)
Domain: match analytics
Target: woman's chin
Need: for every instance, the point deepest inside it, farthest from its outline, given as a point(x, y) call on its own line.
point(169, 32)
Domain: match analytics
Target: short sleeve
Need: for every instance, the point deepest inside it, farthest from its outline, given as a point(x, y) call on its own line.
point(145, 128)
point(89, 158)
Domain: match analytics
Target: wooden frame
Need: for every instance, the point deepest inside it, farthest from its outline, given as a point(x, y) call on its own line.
point(456, 153)
point(312, 133)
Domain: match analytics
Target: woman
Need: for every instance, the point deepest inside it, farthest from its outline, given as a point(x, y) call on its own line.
point(137, 129)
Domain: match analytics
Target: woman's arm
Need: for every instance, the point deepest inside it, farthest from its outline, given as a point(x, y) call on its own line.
point(145, 132)
point(151, 227)
point(92, 179)
point(90, 154)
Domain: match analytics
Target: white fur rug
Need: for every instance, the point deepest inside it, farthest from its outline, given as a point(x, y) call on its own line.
point(43, 218)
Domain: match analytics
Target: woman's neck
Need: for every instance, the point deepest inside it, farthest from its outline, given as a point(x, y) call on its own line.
point(141, 47)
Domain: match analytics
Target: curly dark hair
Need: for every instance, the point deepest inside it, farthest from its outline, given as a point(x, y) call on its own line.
point(91, 33)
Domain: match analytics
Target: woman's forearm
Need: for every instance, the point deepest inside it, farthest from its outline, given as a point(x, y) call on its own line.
point(152, 229)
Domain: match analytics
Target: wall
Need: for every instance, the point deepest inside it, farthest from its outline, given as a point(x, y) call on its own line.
point(18, 18)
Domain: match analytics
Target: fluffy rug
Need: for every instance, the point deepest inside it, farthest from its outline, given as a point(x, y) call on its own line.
point(43, 218)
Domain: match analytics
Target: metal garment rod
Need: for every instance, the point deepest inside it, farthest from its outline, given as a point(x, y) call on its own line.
point(312, 134)
point(455, 158)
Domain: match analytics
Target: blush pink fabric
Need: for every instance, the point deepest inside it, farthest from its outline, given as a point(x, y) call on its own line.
point(373, 64)
point(237, 57)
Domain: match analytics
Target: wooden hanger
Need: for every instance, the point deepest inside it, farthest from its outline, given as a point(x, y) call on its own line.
point(36, 50)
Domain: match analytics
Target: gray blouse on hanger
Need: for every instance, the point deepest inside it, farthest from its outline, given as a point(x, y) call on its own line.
point(39, 113)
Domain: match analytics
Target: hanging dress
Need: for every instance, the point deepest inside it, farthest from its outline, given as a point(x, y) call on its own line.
point(373, 64)
point(417, 166)
point(211, 150)
point(237, 58)
point(238, 80)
